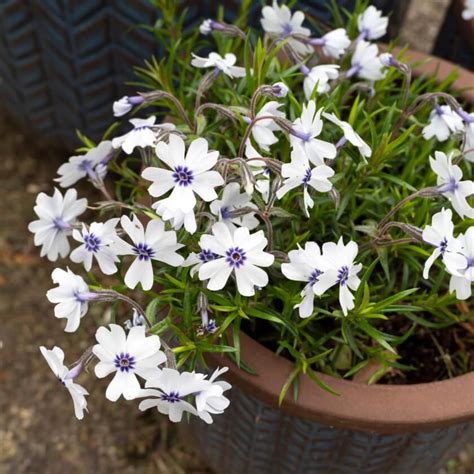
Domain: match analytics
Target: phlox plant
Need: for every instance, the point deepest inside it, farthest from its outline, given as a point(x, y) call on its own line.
point(296, 183)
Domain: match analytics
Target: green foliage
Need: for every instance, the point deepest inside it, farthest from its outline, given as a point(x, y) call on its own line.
point(392, 293)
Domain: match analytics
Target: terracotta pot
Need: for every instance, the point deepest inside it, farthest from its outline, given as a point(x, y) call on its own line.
point(365, 429)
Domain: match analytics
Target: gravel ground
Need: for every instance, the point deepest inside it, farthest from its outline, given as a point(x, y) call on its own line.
point(38, 432)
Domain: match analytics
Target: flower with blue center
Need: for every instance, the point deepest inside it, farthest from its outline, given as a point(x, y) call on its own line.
point(152, 243)
point(220, 64)
point(337, 267)
point(371, 24)
point(233, 200)
point(440, 235)
point(189, 173)
point(92, 165)
point(142, 135)
point(306, 129)
point(55, 360)
point(239, 253)
point(443, 122)
point(303, 267)
point(463, 276)
point(450, 184)
point(57, 215)
point(298, 173)
point(129, 356)
point(71, 297)
point(97, 243)
point(169, 391)
point(279, 22)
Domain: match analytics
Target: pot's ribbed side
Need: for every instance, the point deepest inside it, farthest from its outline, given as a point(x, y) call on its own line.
point(253, 437)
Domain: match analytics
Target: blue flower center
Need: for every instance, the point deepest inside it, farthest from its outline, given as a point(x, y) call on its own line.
point(124, 362)
point(313, 278)
point(92, 242)
point(470, 262)
point(225, 212)
point(207, 256)
point(443, 245)
point(183, 176)
point(451, 186)
point(235, 257)
point(172, 397)
point(85, 165)
point(343, 275)
point(307, 176)
point(287, 29)
point(143, 251)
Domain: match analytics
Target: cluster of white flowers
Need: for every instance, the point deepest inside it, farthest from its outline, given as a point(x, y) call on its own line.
point(193, 190)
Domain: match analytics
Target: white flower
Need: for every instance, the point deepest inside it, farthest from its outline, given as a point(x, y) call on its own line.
point(55, 360)
point(176, 217)
point(461, 280)
point(169, 389)
point(350, 135)
point(240, 253)
point(96, 243)
point(449, 181)
point(187, 175)
point(211, 399)
point(303, 267)
point(232, 200)
point(260, 171)
point(278, 21)
point(319, 76)
point(371, 24)
point(125, 104)
point(469, 139)
point(219, 63)
point(468, 12)
point(142, 135)
point(263, 130)
point(440, 234)
point(57, 214)
point(71, 297)
point(79, 167)
point(443, 121)
point(366, 63)
point(128, 356)
point(337, 266)
point(305, 130)
point(299, 173)
point(154, 243)
point(206, 27)
point(334, 43)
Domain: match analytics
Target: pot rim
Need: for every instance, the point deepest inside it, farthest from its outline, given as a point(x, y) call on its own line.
point(386, 409)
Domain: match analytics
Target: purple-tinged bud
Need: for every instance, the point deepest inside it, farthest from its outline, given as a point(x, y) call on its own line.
point(279, 90)
point(125, 104)
point(317, 41)
point(341, 142)
point(388, 60)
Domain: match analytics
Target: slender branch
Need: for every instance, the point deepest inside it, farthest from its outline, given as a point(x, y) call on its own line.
point(156, 95)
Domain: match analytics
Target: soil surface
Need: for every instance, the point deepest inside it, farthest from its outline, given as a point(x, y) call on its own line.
point(38, 431)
